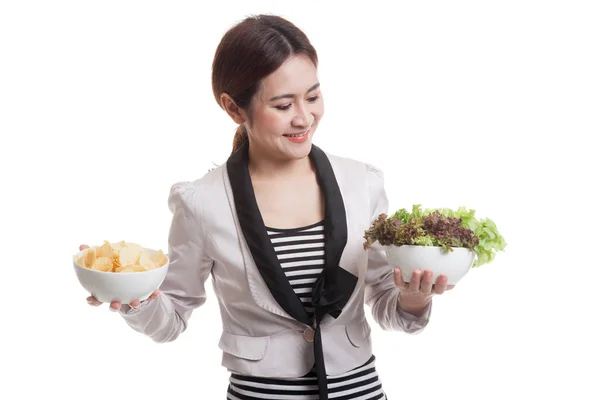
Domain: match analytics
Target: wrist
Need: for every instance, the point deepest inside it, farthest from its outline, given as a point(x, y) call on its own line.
point(415, 306)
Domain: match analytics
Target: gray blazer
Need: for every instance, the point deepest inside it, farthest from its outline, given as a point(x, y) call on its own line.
point(217, 230)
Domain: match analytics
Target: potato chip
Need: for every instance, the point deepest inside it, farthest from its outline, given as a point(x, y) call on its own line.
point(120, 257)
point(105, 250)
point(159, 258)
point(103, 264)
point(116, 262)
point(117, 246)
point(133, 268)
point(79, 260)
point(130, 254)
point(146, 260)
point(90, 257)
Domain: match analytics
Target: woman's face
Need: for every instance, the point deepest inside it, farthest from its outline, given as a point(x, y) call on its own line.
point(286, 110)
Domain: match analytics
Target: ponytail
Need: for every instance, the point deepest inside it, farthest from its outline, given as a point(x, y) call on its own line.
point(241, 136)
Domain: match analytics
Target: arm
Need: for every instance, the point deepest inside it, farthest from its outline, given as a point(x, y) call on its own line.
point(165, 318)
point(381, 293)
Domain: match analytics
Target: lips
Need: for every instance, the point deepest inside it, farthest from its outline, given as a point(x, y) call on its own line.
point(296, 135)
point(298, 138)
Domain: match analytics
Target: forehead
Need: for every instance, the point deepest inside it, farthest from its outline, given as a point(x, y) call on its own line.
point(295, 76)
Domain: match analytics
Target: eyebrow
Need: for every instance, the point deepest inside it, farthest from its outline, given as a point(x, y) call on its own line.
point(291, 96)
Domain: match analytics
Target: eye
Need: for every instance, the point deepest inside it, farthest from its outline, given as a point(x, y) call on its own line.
point(313, 99)
point(283, 108)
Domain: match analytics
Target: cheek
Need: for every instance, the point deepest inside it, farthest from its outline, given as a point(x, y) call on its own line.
point(318, 111)
point(318, 108)
point(270, 122)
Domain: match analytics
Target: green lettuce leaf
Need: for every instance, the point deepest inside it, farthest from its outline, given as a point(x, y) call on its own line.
point(442, 227)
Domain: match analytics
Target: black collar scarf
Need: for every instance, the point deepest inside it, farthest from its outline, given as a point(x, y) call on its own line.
point(335, 285)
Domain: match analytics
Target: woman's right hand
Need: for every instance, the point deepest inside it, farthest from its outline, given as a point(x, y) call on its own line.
point(116, 305)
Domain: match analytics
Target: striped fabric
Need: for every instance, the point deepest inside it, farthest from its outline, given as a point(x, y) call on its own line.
point(301, 255)
point(361, 383)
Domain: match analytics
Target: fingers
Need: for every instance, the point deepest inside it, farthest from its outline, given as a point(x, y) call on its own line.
point(441, 284)
point(414, 285)
point(116, 306)
point(91, 300)
point(427, 282)
point(398, 279)
point(83, 246)
point(422, 282)
point(135, 304)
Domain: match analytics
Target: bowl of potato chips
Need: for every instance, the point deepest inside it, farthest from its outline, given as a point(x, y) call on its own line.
point(121, 271)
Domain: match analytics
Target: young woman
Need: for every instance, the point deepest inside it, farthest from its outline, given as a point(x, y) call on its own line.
point(280, 227)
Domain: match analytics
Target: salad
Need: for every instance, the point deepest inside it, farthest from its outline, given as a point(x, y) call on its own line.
point(442, 227)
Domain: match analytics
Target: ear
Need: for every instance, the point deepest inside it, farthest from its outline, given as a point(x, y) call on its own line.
point(236, 113)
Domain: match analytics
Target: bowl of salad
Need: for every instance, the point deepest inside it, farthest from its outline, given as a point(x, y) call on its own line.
point(446, 241)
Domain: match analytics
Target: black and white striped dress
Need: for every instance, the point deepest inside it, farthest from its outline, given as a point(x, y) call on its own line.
point(301, 254)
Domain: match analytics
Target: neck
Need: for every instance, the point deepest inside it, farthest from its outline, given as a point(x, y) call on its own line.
point(263, 167)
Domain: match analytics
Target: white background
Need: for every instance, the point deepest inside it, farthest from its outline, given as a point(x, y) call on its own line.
point(492, 105)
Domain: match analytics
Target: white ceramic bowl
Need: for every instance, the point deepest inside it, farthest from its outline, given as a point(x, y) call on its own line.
point(123, 286)
point(408, 258)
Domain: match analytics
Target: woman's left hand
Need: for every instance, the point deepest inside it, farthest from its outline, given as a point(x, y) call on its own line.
point(417, 294)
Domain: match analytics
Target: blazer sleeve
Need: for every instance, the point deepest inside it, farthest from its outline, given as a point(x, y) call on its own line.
point(183, 289)
point(381, 293)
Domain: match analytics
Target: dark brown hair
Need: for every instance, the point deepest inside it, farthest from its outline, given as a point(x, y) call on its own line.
point(248, 53)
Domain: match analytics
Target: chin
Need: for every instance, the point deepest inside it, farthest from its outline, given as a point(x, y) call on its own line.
point(301, 150)
point(299, 153)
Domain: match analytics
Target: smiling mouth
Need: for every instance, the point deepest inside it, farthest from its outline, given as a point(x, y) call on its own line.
point(296, 135)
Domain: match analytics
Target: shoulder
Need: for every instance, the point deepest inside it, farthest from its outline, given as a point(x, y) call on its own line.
point(343, 161)
point(186, 194)
point(360, 180)
point(352, 166)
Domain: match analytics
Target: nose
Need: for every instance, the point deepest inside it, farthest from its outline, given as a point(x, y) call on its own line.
point(303, 118)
